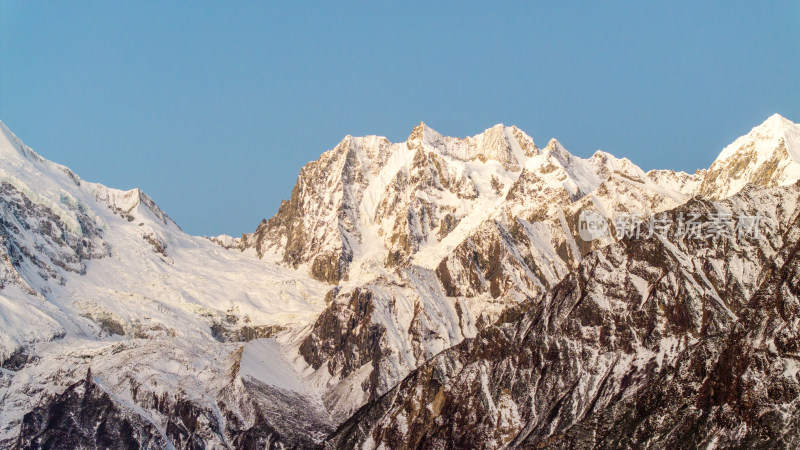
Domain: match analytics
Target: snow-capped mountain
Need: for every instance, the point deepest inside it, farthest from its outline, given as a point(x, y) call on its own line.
point(369, 204)
point(99, 279)
point(385, 255)
point(767, 156)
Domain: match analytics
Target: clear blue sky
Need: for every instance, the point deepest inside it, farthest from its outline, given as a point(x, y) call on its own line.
point(212, 108)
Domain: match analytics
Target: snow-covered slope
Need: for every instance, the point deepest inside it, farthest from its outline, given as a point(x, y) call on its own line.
point(116, 258)
point(101, 279)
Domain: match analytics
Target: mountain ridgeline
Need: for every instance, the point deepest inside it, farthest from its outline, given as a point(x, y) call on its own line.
point(435, 293)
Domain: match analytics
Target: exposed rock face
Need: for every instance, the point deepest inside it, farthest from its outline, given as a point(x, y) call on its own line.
point(70, 420)
point(65, 246)
point(319, 226)
point(65, 420)
point(370, 337)
point(644, 338)
point(229, 331)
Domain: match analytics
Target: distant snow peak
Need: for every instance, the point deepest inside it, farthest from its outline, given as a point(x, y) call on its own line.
point(418, 132)
point(423, 133)
point(774, 128)
point(777, 121)
point(554, 145)
point(767, 156)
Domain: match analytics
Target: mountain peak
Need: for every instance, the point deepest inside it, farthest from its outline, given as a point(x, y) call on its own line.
point(775, 126)
point(496, 127)
point(554, 146)
point(777, 122)
point(762, 140)
point(422, 132)
point(769, 155)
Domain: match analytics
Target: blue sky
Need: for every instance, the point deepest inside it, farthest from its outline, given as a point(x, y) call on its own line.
point(213, 108)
